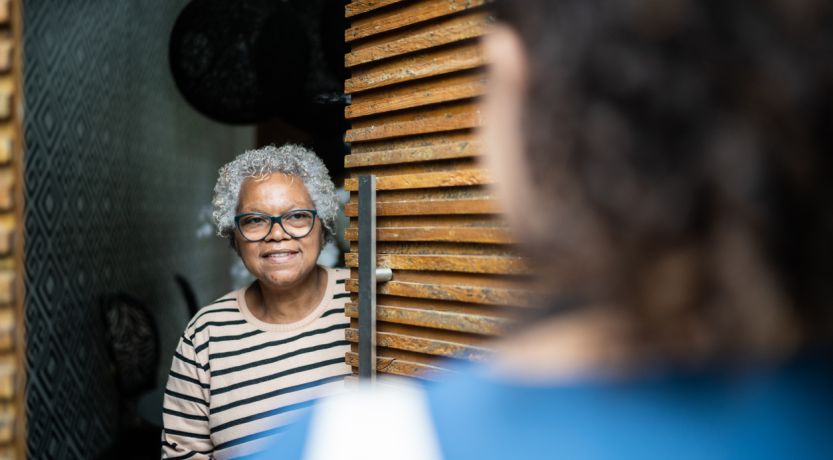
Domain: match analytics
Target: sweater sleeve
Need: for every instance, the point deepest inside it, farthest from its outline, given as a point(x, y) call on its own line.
point(185, 432)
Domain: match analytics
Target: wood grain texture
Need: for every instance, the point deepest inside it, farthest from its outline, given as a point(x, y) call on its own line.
point(461, 293)
point(406, 15)
point(432, 234)
point(7, 380)
point(5, 12)
point(439, 248)
point(7, 329)
point(6, 55)
point(415, 66)
point(433, 119)
point(432, 152)
point(426, 180)
point(357, 7)
point(422, 345)
point(443, 32)
point(493, 265)
point(422, 93)
point(445, 320)
point(428, 208)
point(401, 367)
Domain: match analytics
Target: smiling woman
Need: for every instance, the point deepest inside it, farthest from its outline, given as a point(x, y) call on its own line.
point(249, 360)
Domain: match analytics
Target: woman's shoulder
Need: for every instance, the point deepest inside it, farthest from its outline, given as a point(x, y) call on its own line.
point(225, 308)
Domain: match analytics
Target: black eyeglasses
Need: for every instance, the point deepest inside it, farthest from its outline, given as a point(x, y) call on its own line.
point(256, 226)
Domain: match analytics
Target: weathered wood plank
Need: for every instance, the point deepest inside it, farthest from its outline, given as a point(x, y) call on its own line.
point(438, 33)
point(445, 320)
point(417, 121)
point(423, 345)
point(6, 238)
point(6, 55)
point(357, 7)
point(7, 286)
point(493, 265)
point(445, 89)
point(428, 208)
point(401, 367)
point(426, 180)
point(439, 248)
point(7, 380)
point(6, 150)
point(443, 151)
point(431, 63)
point(418, 141)
point(407, 15)
point(5, 12)
point(7, 329)
point(486, 235)
point(471, 294)
point(7, 422)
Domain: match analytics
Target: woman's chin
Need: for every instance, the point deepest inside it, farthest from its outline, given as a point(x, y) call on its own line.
point(286, 276)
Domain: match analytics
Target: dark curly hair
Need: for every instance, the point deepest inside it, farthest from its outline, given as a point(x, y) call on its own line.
point(683, 150)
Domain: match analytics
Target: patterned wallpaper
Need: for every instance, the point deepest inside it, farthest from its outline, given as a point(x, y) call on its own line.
point(118, 168)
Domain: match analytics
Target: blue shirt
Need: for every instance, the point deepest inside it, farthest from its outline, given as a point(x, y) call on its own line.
point(774, 413)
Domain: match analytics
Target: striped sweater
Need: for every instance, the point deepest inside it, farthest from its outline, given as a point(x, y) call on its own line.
point(236, 382)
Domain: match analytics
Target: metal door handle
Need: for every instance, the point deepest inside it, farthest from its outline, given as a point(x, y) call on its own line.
point(369, 276)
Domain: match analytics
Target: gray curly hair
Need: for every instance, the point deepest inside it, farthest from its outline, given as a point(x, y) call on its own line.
point(289, 159)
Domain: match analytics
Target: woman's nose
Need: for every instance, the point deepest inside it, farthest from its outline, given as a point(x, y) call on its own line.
point(277, 233)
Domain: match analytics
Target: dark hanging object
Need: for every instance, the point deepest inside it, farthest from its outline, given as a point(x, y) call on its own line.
point(240, 61)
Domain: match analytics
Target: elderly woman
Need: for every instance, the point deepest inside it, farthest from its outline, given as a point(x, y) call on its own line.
point(249, 360)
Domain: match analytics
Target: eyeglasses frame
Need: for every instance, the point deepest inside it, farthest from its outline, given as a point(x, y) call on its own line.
point(272, 220)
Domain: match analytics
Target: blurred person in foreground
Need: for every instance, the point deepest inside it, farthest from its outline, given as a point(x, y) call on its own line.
point(250, 360)
point(668, 167)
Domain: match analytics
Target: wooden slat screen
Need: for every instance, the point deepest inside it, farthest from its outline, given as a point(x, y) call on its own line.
point(416, 70)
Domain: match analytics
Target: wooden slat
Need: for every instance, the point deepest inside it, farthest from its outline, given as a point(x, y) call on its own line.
point(357, 7)
point(409, 14)
point(494, 265)
point(445, 151)
point(6, 55)
point(431, 63)
point(401, 367)
point(461, 293)
point(439, 33)
point(422, 345)
point(426, 180)
point(445, 89)
point(7, 329)
point(7, 286)
point(428, 208)
point(7, 380)
point(6, 150)
point(439, 249)
point(443, 234)
point(418, 121)
point(445, 320)
point(5, 12)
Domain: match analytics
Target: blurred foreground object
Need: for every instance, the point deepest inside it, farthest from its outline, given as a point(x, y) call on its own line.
point(667, 168)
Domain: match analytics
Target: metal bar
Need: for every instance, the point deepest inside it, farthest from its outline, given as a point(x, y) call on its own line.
point(367, 278)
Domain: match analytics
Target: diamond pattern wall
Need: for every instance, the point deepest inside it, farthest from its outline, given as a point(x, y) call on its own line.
point(117, 170)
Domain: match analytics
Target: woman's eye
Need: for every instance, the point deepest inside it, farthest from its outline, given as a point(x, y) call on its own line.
point(298, 215)
point(254, 221)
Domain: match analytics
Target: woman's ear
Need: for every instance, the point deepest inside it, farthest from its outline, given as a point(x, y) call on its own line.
point(502, 134)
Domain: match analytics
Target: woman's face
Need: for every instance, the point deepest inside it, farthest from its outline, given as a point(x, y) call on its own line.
point(279, 262)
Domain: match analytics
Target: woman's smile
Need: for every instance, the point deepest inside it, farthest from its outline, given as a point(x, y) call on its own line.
point(280, 256)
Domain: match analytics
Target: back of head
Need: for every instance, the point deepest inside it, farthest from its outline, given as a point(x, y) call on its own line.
point(680, 151)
